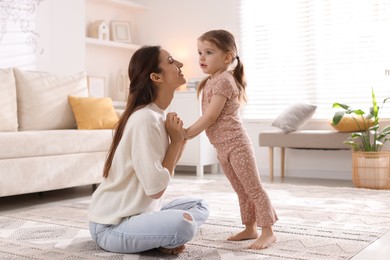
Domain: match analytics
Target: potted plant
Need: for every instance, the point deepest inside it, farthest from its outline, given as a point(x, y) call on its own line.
point(371, 165)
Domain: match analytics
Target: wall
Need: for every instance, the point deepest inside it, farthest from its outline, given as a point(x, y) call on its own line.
point(61, 42)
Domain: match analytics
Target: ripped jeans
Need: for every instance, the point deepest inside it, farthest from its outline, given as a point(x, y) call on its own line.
point(167, 228)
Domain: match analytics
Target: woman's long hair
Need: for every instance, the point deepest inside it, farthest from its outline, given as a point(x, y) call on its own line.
point(142, 92)
point(224, 41)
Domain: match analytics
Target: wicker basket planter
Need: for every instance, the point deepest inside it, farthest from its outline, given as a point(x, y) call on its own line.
point(371, 169)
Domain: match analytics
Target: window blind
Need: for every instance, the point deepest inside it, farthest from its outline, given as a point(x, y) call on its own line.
point(320, 52)
point(17, 35)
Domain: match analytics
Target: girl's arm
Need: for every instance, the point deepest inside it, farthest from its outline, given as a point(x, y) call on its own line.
point(208, 118)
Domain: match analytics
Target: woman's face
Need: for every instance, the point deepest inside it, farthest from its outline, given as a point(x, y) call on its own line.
point(171, 74)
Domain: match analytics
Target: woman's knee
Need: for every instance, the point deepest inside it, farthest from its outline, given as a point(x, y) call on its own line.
point(203, 206)
point(92, 231)
point(187, 217)
point(188, 228)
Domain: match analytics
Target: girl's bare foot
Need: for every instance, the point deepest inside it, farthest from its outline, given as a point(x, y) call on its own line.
point(172, 251)
point(265, 240)
point(250, 232)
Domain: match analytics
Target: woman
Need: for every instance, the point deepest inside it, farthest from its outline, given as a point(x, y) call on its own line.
point(125, 214)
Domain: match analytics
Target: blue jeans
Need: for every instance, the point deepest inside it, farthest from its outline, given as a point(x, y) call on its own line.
point(166, 228)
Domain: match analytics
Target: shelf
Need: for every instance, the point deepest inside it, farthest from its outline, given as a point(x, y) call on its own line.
point(120, 3)
point(111, 44)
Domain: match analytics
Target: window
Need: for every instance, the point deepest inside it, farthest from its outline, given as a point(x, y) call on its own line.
point(321, 51)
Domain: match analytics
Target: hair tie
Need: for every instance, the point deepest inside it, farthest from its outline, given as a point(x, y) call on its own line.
point(238, 58)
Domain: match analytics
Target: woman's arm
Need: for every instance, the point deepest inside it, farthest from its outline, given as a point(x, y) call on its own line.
point(208, 118)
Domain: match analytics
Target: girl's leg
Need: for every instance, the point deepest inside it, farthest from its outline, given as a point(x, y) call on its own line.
point(244, 165)
point(239, 165)
point(257, 208)
point(250, 231)
point(169, 229)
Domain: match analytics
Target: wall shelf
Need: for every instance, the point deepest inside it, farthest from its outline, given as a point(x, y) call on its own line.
point(121, 4)
point(108, 58)
point(111, 44)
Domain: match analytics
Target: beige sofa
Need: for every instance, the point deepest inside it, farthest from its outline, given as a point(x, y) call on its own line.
point(40, 146)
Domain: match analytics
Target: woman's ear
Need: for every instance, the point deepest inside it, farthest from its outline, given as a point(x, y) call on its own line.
point(155, 77)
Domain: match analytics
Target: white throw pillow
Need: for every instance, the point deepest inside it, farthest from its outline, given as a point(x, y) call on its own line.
point(43, 99)
point(8, 111)
point(294, 117)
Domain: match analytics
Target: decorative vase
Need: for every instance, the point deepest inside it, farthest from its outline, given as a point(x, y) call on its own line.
point(371, 169)
point(122, 86)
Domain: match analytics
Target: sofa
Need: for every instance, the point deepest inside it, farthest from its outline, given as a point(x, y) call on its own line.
point(42, 146)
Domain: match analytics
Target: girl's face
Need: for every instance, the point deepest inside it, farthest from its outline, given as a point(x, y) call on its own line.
point(212, 60)
point(171, 74)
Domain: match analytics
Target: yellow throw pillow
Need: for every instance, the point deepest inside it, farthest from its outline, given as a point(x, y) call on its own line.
point(352, 123)
point(93, 113)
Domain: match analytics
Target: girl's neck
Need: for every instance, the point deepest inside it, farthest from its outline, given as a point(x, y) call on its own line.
point(219, 72)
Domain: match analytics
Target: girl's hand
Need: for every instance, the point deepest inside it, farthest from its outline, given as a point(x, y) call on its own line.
point(174, 127)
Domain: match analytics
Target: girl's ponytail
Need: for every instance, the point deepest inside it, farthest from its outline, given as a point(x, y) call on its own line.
point(239, 76)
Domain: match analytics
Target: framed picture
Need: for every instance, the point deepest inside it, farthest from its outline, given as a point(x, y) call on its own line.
point(120, 31)
point(96, 86)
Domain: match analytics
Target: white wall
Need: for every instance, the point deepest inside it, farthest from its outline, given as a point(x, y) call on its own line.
point(61, 41)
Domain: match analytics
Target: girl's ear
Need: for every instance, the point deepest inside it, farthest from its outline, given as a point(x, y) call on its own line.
point(229, 57)
point(155, 77)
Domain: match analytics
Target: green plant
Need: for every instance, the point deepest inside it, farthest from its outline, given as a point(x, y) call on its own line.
point(368, 138)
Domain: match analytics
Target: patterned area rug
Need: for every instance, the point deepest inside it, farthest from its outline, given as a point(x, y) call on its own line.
point(315, 222)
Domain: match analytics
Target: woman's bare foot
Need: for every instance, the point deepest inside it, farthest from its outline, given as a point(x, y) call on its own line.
point(172, 251)
point(250, 232)
point(265, 240)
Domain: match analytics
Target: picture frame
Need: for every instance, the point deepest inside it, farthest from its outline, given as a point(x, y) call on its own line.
point(96, 86)
point(121, 31)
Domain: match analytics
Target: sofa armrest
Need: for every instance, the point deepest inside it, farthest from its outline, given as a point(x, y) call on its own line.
point(119, 112)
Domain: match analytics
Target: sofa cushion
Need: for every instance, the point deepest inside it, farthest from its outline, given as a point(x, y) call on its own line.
point(8, 111)
point(93, 113)
point(352, 123)
point(306, 139)
point(294, 117)
point(43, 99)
point(53, 142)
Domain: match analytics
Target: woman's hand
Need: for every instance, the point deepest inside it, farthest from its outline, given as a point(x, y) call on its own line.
point(175, 130)
point(174, 127)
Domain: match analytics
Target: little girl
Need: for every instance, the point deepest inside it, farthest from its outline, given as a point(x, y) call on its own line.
point(223, 91)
